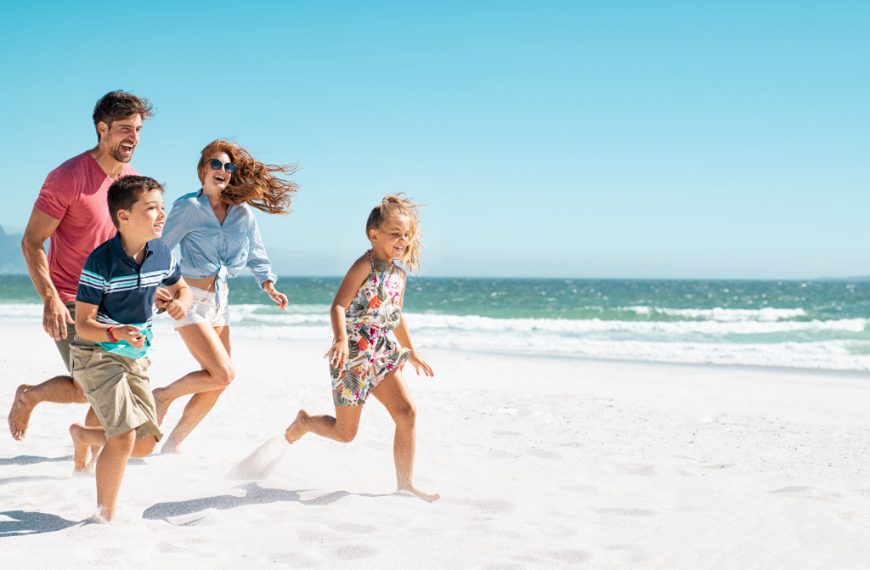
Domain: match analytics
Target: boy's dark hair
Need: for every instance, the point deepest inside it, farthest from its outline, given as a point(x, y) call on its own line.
point(116, 105)
point(125, 191)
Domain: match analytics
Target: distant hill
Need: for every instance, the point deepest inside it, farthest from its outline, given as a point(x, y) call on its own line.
point(11, 260)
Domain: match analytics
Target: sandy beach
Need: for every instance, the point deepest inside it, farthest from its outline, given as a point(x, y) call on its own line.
point(540, 463)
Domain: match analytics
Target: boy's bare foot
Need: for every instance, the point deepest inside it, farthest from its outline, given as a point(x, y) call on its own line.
point(161, 403)
point(411, 490)
point(298, 428)
point(81, 449)
point(19, 414)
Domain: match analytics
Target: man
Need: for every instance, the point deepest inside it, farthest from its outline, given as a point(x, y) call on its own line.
point(71, 209)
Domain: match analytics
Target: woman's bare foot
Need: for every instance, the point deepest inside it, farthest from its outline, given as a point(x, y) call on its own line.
point(81, 449)
point(19, 414)
point(171, 448)
point(411, 490)
point(162, 404)
point(298, 428)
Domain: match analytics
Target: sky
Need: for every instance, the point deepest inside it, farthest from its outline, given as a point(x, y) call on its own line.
point(546, 139)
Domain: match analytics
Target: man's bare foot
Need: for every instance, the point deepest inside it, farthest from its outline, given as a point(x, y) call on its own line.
point(411, 490)
point(298, 428)
point(19, 414)
point(171, 448)
point(81, 449)
point(162, 404)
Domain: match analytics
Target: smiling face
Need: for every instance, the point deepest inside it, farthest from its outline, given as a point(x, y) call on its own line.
point(391, 238)
point(145, 218)
point(214, 181)
point(119, 139)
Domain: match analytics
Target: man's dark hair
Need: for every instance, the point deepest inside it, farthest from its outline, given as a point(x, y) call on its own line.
point(116, 105)
point(125, 191)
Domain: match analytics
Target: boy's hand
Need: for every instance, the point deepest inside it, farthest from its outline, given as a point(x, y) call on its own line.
point(277, 297)
point(338, 354)
point(176, 309)
point(129, 333)
point(418, 363)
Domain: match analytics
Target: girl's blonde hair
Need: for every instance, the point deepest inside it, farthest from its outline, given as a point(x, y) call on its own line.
point(399, 205)
point(253, 182)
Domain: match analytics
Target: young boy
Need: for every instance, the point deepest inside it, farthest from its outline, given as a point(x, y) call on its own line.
point(109, 355)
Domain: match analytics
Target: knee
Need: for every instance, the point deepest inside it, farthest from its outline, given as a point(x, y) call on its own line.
point(406, 415)
point(347, 434)
point(223, 375)
point(144, 447)
point(125, 440)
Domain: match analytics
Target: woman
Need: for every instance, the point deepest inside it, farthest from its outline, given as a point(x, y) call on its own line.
point(218, 234)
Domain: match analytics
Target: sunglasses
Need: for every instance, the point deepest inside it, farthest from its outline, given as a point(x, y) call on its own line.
point(217, 165)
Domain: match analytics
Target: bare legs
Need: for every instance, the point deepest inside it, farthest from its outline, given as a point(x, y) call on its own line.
point(393, 394)
point(211, 349)
point(112, 461)
point(60, 389)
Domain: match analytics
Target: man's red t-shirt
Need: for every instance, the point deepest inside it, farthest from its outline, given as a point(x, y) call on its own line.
point(75, 194)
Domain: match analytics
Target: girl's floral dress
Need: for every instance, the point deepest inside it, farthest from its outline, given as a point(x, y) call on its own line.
point(373, 313)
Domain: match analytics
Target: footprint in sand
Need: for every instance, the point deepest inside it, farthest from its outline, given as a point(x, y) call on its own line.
point(570, 556)
point(543, 453)
point(356, 528)
point(806, 492)
point(636, 469)
point(490, 507)
point(354, 552)
point(294, 560)
point(629, 552)
point(580, 489)
point(628, 512)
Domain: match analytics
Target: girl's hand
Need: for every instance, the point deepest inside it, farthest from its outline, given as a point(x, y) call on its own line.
point(419, 363)
point(277, 297)
point(129, 333)
point(338, 354)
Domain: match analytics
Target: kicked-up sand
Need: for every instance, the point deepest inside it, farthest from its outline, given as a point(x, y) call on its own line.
point(540, 463)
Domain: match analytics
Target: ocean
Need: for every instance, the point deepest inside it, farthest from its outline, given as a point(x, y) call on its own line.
point(795, 324)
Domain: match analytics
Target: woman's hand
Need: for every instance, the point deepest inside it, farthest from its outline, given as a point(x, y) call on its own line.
point(277, 297)
point(338, 354)
point(418, 364)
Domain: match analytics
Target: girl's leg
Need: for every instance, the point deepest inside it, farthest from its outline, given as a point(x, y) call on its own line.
point(202, 346)
point(341, 428)
point(393, 394)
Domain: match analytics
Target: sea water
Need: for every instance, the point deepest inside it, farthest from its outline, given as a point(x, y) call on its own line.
point(804, 324)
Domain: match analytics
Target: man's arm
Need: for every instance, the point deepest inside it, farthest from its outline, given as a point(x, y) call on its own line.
point(55, 315)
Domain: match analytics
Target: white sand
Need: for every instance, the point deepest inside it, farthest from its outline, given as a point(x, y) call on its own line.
point(540, 463)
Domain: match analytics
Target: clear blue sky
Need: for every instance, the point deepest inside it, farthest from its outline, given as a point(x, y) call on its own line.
point(562, 139)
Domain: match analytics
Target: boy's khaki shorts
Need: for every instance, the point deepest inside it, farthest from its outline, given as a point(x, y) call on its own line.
point(117, 388)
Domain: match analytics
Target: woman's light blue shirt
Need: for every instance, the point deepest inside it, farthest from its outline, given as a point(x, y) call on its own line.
point(211, 248)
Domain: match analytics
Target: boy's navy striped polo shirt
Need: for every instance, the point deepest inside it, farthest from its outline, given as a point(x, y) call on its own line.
point(122, 289)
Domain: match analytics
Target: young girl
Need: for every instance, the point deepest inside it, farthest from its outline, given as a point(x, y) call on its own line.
point(219, 237)
point(363, 358)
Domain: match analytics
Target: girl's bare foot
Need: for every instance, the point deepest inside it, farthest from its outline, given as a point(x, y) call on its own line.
point(81, 450)
point(19, 414)
point(298, 428)
point(411, 490)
